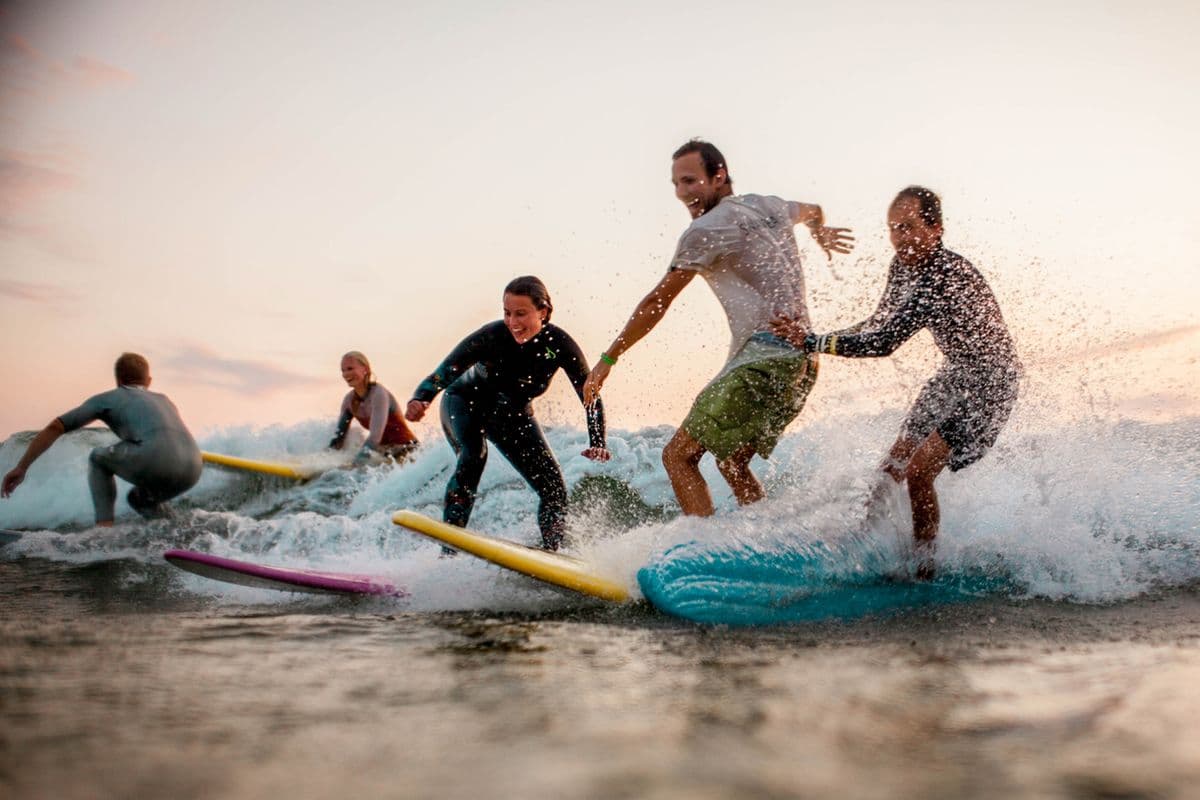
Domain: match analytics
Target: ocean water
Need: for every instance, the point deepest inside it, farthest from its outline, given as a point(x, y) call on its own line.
point(121, 675)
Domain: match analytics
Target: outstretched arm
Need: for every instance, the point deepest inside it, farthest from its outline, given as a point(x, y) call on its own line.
point(574, 364)
point(40, 444)
point(464, 355)
point(897, 328)
point(647, 314)
point(831, 240)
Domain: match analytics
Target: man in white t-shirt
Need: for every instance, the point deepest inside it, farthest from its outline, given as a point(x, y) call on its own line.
point(743, 245)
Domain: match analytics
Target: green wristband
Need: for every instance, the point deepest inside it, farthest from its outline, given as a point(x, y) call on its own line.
point(607, 359)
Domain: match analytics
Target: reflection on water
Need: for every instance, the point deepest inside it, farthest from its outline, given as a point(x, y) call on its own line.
point(114, 683)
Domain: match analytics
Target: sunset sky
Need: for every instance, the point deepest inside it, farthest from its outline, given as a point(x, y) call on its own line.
point(244, 191)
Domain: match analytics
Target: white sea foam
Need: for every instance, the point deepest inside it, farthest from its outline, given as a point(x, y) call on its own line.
point(1091, 511)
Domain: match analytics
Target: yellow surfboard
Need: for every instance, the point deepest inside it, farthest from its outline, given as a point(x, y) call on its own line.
point(554, 568)
point(296, 472)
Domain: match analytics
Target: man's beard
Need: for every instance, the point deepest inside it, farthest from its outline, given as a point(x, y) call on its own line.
point(710, 205)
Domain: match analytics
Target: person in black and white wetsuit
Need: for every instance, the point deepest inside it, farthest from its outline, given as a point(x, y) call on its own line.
point(961, 410)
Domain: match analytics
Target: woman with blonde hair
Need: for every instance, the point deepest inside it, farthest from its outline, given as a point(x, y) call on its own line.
point(376, 409)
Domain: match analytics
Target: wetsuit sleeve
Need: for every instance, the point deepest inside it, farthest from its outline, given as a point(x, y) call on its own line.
point(90, 411)
point(468, 353)
point(576, 366)
point(892, 298)
point(343, 426)
point(893, 331)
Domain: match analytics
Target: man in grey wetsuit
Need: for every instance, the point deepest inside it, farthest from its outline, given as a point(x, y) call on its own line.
point(960, 412)
point(157, 453)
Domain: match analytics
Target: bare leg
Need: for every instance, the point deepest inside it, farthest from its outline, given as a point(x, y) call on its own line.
point(923, 468)
point(924, 463)
point(736, 471)
point(917, 462)
point(681, 457)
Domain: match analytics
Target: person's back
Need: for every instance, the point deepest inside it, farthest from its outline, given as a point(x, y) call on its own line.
point(135, 414)
point(157, 453)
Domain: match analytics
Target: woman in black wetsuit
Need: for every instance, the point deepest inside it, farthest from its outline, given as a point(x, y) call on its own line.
point(490, 378)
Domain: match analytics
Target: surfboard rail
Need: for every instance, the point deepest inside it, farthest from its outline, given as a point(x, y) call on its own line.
point(288, 579)
point(557, 569)
point(296, 472)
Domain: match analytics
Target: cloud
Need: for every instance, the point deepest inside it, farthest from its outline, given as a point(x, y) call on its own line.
point(22, 48)
point(29, 184)
point(98, 75)
point(200, 365)
point(27, 72)
point(44, 293)
point(25, 181)
point(22, 72)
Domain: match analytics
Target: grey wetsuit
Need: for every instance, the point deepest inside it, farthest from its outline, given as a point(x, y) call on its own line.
point(157, 453)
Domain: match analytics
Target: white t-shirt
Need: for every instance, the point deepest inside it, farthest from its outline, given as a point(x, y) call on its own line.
point(746, 249)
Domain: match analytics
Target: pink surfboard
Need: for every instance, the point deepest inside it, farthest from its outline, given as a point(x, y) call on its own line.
point(283, 579)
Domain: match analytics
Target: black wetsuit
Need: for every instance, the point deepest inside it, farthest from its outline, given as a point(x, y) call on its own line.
point(489, 380)
point(973, 393)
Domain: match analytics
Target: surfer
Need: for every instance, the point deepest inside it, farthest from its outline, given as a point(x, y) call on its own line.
point(376, 409)
point(960, 411)
point(744, 246)
point(489, 380)
point(157, 453)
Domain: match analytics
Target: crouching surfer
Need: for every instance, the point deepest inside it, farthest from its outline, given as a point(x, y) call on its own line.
point(157, 453)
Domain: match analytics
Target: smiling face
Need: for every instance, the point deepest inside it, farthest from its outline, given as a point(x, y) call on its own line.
point(355, 374)
point(523, 319)
point(695, 189)
point(913, 238)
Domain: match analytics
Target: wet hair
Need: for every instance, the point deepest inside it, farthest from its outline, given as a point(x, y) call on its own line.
point(533, 288)
point(930, 205)
point(131, 369)
point(360, 358)
point(709, 155)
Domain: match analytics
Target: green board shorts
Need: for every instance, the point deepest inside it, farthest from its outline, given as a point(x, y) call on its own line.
point(751, 405)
